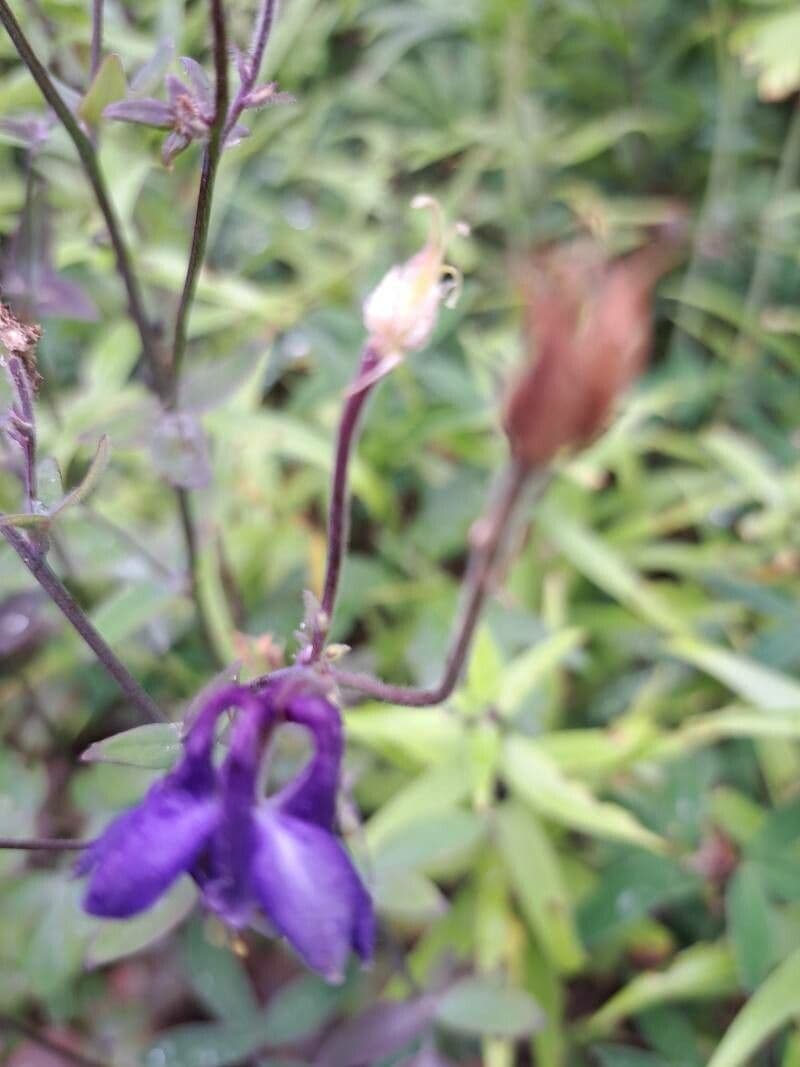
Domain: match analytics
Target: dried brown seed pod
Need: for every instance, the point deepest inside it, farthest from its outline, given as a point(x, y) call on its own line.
point(587, 330)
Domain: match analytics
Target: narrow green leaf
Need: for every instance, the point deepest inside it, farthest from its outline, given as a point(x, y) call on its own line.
point(422, 735)
point(759, 685)
point(156, 745)
point(701, 972)
point(484, 1006)
point(771, 1006)
point(537, 779)
point(535, 875)
point(407, 896)
point(750, 925)
point(594, 558)
point(439, 789)
point(527, 671)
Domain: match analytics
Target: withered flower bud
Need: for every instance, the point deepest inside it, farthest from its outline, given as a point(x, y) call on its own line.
point(588, 330)
point(19, 339)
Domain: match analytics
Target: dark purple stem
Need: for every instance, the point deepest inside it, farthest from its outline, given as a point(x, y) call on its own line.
point(43, 844)
point(52, 585)
point(91, 167)
point(255, 58)
point(205, 195)
point(97, 35)
point(338, 513)
point(488, 547)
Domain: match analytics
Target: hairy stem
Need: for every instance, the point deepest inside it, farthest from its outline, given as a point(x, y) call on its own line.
point(97, 35)
point(205, 196)
point(337, 515)
point(55, 589)
point(489, 541)
point(91, 166)
point(255, 57)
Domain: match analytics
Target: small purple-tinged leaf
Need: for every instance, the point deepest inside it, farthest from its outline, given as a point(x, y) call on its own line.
point(377, 1033)
point(146, 111)
point(60, 298)
point(179, 448)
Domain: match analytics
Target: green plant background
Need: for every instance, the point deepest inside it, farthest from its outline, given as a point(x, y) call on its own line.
point(598, 838)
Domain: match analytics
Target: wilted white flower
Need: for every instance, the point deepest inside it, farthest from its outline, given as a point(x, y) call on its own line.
point(401, 313)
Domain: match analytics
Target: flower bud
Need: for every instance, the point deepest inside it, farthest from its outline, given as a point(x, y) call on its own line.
point(588, 330)
point(401, 313)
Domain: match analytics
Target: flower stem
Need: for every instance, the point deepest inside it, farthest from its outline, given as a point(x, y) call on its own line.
point(97, 35)
point(55, 589)
point(205, 196)
point(43, 844)
point(337, 516)
point(91, 166)
point(489, 542)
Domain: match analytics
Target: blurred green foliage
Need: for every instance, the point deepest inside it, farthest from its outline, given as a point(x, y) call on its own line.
point(598, 838)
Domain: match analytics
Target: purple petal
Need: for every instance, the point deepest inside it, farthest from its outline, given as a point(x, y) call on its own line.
point(311, 893)
point(146, 849)
point(173, 145)
point(199, 79)
point(312, 795)
point(146, 111)
point(176, 88)
point(237, 135)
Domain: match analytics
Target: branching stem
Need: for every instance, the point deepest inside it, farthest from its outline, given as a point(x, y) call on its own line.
point(490, 538)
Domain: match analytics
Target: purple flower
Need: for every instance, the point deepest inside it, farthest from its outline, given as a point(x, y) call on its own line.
point(278, 857)
point(281, 856)
point(146, 849)
point(188, 113)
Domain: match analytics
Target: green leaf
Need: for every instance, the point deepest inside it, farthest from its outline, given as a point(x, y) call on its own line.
point(107, 86)
point(439, 789)
point(485, 1007)
point(594, 558)
point(771, 46)
point(90, 479)
point(218, 976)
point(537, 779)
point(117, 939)
point(750, 925)
point(407, 896)
point(156, 746)
point(759, 685)
point(771, 1006)
point(297, 1010)
point(701, 972)
point(536, 877)
point(422, 735)
point(527, 671)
